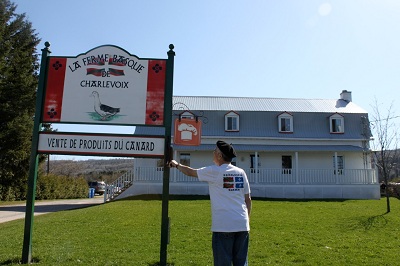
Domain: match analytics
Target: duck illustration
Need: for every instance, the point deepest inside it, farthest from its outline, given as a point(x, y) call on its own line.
point(103, 110)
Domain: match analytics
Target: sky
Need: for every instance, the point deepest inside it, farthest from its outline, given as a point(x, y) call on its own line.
point(256, 48)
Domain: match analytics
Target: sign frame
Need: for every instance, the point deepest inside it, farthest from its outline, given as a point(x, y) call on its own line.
point(166, 121)
point(118, 145)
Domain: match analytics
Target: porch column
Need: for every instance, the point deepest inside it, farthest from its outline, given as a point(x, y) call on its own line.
point(256, 165)
point(296, 165)
point(336, 168)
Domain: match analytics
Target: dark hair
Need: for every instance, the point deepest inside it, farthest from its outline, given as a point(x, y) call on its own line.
point(226, 158)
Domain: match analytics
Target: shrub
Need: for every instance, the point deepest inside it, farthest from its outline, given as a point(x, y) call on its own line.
point(60, 187)
point(394, 190)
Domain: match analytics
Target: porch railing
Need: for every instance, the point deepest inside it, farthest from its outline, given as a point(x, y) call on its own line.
point(260, 176)
point(275, 176)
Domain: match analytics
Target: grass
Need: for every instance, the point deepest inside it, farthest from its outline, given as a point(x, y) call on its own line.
point(127, 232)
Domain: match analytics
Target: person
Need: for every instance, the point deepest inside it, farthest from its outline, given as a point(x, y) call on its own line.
point(230, 205)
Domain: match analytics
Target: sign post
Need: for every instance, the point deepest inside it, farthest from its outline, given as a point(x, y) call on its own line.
point(30, 198)
point(105, 86)
point(168, 120)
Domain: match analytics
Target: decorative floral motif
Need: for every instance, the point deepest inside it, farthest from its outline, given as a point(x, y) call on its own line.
point(153, 116)
point(157, 68)
point(52, 113)
point(57, 65)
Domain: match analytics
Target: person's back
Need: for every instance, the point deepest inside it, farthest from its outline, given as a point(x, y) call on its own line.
point(228, 186)
point(230, 205)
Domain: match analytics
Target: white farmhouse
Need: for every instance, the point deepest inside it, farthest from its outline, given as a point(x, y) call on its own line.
point(289, 148)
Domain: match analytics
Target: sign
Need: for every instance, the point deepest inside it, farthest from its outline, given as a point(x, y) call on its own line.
point(106, 85)
point(100, 145)
point(187, 132)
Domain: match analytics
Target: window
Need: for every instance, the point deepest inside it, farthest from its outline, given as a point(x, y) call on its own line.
point(253, 163)
point(340, 164)
point(286, 164)
point(231, 121)
point(184, 159)
point(285, 122)
point(160, 165)
point(336, 122)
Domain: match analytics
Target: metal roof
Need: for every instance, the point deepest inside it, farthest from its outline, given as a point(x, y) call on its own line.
point(223, 103)
point(272, 148)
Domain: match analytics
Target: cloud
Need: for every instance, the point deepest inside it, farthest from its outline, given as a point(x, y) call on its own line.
point(324, 9)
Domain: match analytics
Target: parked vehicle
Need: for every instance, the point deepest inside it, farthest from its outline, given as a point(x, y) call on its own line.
point(99, 187)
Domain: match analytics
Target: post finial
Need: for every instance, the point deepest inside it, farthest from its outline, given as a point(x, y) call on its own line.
point(46, 48)
point(171, 52)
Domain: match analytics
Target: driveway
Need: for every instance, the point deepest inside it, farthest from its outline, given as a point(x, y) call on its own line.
point(17, 211)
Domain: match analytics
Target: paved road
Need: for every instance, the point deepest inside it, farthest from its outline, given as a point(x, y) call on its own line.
point(17, 211)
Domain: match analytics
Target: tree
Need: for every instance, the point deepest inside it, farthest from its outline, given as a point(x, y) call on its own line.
point(385, 144)
point(18, 82)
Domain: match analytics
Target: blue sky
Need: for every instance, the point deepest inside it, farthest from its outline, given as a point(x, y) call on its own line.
point(260, 48)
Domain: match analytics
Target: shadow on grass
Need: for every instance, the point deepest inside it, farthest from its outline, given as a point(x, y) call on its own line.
point(171, 197)
point(207, 197)
point(374, 221)
point(158, 264)
point(17, 261)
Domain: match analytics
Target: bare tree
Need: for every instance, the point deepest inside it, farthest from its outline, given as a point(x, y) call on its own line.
point(385, 142)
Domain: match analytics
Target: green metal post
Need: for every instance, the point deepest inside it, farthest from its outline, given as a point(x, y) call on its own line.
point(167, 154)
point(30, 202)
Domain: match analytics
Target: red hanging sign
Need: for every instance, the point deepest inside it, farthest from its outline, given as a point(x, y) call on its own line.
point(187, 132)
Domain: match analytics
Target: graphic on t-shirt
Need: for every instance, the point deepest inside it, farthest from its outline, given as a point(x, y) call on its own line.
point(233, 182)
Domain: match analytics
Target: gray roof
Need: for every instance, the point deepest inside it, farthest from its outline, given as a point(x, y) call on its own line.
point(223, 103)
point(259, 117)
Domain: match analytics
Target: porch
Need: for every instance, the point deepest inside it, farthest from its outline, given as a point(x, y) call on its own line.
point(266, 183)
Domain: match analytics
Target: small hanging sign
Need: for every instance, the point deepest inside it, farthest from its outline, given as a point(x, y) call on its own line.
point(187, 132)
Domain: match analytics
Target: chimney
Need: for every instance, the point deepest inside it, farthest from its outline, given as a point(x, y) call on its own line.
point(345, 95)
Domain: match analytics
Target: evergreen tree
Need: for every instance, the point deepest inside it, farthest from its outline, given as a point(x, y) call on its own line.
point(18, 82)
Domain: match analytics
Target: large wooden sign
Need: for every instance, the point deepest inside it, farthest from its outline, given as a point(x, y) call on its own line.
point(106, 85)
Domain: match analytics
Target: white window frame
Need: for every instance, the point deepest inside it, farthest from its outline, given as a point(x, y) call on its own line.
point(184, 158)
point(231, 115)
point(340, 129)
point(285, 116)
point(286, 170)
point(339, 164)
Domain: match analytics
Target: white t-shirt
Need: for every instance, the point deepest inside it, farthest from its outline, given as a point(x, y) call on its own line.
point(227, 185)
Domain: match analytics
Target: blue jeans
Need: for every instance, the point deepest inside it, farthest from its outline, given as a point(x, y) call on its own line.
point(230, 248)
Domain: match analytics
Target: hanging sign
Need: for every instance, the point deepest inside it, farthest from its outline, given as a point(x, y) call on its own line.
point(106, 85)
point(187, 132)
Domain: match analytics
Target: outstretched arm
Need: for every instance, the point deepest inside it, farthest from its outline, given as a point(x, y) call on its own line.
point(183, 168)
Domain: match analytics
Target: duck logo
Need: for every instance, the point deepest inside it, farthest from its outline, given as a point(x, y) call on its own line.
point(187, 132)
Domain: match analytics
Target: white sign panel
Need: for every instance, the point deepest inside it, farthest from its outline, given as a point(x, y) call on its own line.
point(101, 145)
point(106, 85)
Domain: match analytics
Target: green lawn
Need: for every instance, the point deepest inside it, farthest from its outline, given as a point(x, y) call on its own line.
point(127, 232)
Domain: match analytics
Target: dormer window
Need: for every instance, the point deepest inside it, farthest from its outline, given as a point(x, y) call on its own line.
point(232, 121)
point(285, 122)
point(336, 123)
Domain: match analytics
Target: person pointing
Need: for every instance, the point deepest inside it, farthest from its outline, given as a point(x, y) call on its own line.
point(230, 205)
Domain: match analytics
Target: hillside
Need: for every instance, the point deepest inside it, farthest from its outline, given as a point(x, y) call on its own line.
point(106, 170)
